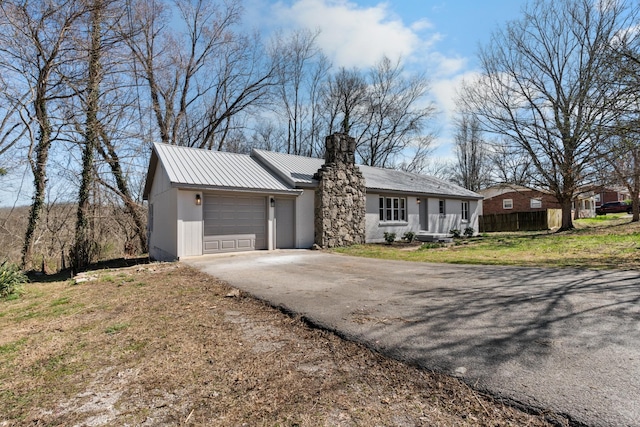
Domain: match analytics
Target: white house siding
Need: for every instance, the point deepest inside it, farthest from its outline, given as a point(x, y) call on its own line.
point(452, 219)
point(305, 205)
point(163, 202)
point(189, 223)
point(375, 229)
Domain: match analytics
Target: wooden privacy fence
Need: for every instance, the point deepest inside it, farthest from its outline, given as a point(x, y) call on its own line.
point(519, 221)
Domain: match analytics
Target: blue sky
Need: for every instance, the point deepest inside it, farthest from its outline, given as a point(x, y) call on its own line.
point(439, 37)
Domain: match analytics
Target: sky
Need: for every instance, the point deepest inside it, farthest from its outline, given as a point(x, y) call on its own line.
point(437, 37)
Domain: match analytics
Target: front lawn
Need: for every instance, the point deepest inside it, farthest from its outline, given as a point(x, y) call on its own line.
point(605, 242)
point(166, 345)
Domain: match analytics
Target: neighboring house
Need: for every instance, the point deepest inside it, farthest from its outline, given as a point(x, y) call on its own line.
point(609, 194)
point(505, 199)
point(204, 201)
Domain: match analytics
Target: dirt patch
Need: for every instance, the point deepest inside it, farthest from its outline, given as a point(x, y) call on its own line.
point(165, 345)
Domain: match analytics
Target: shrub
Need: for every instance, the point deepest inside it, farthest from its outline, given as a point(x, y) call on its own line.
point(11, 279)
point(389, 237)
point(455, 232)
point(409, 236)
point(469, 231)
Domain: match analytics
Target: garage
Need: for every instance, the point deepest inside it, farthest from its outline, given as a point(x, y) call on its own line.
point(234, 223)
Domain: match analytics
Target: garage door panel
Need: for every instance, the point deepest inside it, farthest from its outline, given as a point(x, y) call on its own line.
point(234, 223)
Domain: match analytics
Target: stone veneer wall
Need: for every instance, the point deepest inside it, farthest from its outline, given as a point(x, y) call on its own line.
point(340, 199)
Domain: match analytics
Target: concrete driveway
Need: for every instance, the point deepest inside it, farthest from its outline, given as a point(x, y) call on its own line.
point(564, 340)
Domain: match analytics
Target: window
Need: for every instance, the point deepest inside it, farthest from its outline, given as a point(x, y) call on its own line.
point(507, 203)
point(393, 209)
point(465, 211)
point(536, 203)
point(441, 207)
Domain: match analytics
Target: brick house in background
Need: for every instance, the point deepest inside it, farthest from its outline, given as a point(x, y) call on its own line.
point(510, 199)
point(610, 194)
point(505, 198)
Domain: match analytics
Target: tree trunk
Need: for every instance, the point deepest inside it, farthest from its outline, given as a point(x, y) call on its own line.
point(84, 246)
point(132, 207)
point(39, 169)
point(567, 222)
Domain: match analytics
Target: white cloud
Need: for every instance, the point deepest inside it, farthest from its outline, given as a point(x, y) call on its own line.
point(445, 91)
point(352, 35)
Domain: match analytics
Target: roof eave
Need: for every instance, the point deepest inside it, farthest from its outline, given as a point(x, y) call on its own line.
point(200, 187)
point(151, 171)
point(426, 194)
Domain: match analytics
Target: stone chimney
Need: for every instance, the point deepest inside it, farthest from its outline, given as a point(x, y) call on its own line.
point(340, 199)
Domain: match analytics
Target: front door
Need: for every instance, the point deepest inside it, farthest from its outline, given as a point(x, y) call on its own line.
point(285, 223)
point(424, 214)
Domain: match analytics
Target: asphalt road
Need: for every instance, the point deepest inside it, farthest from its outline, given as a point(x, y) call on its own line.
point(557, 339)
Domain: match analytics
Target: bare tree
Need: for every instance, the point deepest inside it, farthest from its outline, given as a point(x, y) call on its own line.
point(418, 155)
point(471, 169)
point(542, 87)
point(344, 98)
point(84, 245)
point(510, 164)
point(36, 45)
point(201, 78)
point(12, 127)
point(395, 113)
point(621, 147)
point(301, 69)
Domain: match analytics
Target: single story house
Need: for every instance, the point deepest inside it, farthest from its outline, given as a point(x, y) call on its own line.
point(610, 194)
point(203, 202)
point(509, 198)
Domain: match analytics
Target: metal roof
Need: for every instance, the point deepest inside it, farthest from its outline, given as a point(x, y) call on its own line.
point(406, 182)
point(193, 167)
point(296, 170)
point(299, 171)
point(278, 172)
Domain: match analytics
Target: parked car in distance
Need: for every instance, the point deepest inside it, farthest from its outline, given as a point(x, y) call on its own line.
point(613, 207)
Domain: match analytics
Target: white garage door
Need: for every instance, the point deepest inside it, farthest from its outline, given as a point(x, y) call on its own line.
point(234, 223)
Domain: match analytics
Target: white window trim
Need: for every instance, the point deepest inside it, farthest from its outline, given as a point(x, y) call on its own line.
point(506, 205)
point(464, 211)
point(394, 207)
point(538, 204)
point(442, 208)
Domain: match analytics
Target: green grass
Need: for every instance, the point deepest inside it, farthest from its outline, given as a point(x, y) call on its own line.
point(116, 328)
point(12, 347)
point(597, 244)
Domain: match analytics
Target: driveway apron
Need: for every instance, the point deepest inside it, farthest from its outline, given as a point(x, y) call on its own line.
point(563, 340)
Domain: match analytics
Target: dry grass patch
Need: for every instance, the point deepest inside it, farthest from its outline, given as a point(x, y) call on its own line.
point(164, 345)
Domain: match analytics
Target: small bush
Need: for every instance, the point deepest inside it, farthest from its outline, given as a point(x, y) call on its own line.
point(409, 236)
point(468, 232)
point(389, 237)
point(11, 279)
point(455, 232)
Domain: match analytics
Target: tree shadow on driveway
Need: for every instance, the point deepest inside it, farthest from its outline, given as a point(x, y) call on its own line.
point(494, 315)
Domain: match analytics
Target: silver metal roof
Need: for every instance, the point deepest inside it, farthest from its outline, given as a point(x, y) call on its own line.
point(215, 169)
point(298, 170)
point(278, 172)
point(395, 180)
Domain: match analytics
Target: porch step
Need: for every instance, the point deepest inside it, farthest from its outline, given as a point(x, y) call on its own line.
point(434, 238)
